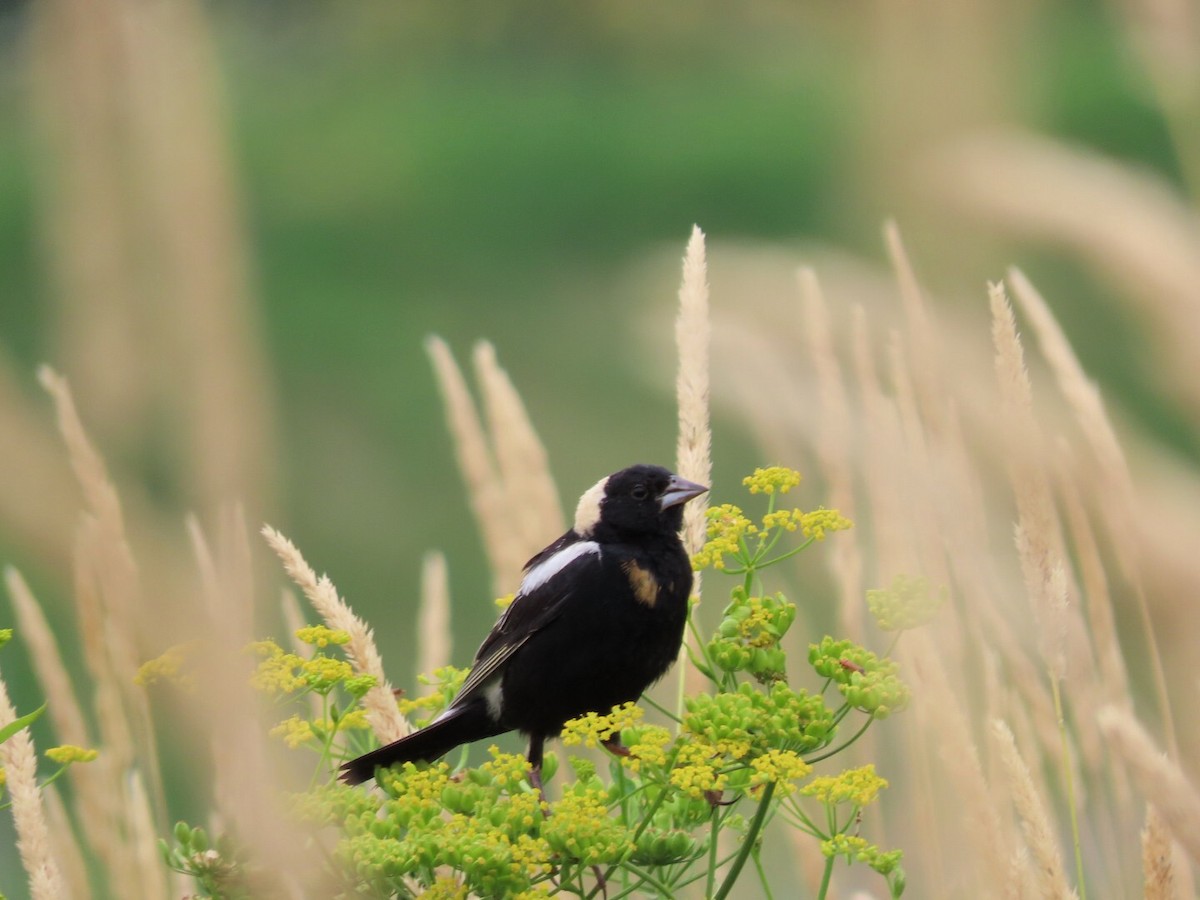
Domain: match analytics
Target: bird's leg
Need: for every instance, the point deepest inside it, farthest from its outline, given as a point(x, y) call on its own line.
point(537, 744)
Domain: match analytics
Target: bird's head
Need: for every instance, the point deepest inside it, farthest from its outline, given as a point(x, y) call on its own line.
point(639, 500)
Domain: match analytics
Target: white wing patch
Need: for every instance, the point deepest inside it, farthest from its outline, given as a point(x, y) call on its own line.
point(551, 566)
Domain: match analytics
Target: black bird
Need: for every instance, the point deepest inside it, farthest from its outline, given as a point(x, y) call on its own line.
point(598, 618)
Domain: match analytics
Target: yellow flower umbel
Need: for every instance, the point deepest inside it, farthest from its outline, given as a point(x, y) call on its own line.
point(277, 669)
point(445, 682)
point(778, 766)
point(592, 729)
point(728, 528)
point(68, 753)
point(320, 636)
point(856, 786)
point(908, 602)
point(772, 479)
point(697, 770)
point(855, 848)
point(167, 668)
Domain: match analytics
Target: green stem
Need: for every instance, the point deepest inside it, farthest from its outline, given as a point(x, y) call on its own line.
point(828, 753)
point(649, 701)
point(1069, 783)
point(663, 889)
point(825, 878)
point(647, 818)
point(712, 854)
point(748, 842)
point(762, 875)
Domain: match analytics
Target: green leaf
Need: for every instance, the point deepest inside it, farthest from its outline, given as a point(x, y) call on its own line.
point(24, 722)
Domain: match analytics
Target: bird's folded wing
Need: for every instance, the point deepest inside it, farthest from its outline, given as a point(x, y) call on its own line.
point(539, 602)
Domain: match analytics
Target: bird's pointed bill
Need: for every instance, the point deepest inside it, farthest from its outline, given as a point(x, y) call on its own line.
point(680, 490)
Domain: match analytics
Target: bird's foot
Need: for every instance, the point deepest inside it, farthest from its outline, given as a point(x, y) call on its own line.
point(714, 798)
point(614, 746)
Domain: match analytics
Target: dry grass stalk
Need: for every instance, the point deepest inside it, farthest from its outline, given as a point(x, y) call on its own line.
point(834, 449)
point(1158, 870)
point(37, 504)
point(143, 837)
point(434, 639)
point(1037, 530)
point(63, 845)
point(1129, 224)
point(29, 816)
point(484, 485)
point(191, 225)
point(1095, 584)
point(531, 498)
point(132, 84)
point(63, 705)
point(947, 734)
point(693, 453)
point(924, 350)
point(894, 551)
point(1040, 836)
point(380, 703)
point(693, 448)
point(1161, 781)
point(246, 780)
point(111, 593)
point(1118, 493)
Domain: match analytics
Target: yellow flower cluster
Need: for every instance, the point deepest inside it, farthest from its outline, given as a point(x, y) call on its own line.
point(294, 731)
point(856, 786)
point(787, 519)
point(907, 602)
point(591, 729)
point(649, 746)
point(168, 668)
point(321, 637)
point(446, 887)
point(695, 771)
point(772, 479)
point(581, 829)
point(858, 849)
point(506, 770)
point(447, 680)
point(819, 522)
point(322, 673)
point(779, 766)
point(727, 526)
point(69, 753)
point(277, 669)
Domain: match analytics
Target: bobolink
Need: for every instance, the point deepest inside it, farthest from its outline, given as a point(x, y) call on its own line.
point(598, 618)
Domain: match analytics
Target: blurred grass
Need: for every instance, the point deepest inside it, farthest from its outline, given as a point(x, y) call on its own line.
point(496, 174)
point(404, 176)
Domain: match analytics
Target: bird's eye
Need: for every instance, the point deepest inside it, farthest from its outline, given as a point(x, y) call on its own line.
point(639, 492)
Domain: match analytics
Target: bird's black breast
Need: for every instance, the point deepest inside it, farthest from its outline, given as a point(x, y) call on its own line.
point(618, 631)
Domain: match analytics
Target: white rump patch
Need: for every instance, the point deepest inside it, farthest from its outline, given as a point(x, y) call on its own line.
point(551, 566)
point(495, 699)
point(587, 513)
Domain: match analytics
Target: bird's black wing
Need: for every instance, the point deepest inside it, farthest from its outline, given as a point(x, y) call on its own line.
point(539, 601)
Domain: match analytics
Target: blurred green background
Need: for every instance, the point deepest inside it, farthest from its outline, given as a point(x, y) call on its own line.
point(529, 173)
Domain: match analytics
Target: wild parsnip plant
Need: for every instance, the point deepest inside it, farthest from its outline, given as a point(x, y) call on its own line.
point(685, 803)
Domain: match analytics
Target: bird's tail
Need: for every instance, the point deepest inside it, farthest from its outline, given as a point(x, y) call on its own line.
point(457, 726)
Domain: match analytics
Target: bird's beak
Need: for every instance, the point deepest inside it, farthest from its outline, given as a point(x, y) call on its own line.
point(679, 490)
